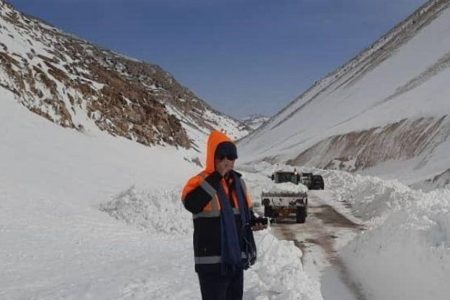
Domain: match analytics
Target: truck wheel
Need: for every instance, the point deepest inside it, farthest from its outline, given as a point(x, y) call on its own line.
point(268, 211)
point(300, 214)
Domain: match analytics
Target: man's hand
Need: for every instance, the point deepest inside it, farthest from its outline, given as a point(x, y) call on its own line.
point(259, 226)
point(224, 166)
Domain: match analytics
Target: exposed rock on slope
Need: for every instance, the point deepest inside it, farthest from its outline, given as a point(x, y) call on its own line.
point(79, 85)
point(388, 104)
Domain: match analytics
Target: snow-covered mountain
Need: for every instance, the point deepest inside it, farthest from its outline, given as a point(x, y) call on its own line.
point(385, 112)
point(78, 85)
point(100, 217)
point(255, 121)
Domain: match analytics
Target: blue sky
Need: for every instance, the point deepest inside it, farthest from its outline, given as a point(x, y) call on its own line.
point(241, 56)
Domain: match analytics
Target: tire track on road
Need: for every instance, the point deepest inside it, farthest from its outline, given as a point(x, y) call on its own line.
point(322, 228)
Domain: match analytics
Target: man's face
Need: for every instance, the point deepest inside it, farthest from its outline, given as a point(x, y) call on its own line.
point(225, 156)
point(224, 165)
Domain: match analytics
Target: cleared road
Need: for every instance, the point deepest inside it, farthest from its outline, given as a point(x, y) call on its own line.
point(320, 238)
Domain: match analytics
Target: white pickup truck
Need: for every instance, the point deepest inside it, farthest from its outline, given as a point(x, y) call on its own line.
point(286, 197)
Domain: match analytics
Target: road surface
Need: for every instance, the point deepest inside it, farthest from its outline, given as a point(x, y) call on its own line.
point(320, 238)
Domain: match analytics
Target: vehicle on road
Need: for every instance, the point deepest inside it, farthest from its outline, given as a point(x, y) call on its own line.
point(286, 197)
point(311, 181)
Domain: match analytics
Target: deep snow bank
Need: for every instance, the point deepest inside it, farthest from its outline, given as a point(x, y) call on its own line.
point(154, 210)
point(406, 254)
point(278, 273)
point(370, 198)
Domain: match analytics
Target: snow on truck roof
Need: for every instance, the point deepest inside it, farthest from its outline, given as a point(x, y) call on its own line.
point(285, 187)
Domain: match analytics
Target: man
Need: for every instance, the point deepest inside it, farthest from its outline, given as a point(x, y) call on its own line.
point(222, 213)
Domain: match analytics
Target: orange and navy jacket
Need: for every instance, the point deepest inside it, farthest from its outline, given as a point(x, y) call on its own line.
point(199, 196)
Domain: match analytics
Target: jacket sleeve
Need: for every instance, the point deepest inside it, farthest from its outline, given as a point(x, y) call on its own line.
point(195, 196)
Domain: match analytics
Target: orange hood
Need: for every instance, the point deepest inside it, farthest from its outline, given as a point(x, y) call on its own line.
point(215, 138)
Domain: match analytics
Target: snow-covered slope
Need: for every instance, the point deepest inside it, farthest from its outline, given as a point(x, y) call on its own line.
point(390, 104)
point(99, 217)
point(255, 121)
point(405, 253)
point(78, 85)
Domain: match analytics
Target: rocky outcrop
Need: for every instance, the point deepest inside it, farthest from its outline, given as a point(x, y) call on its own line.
point(81, 86)
point(354, 151)
point(441, 180)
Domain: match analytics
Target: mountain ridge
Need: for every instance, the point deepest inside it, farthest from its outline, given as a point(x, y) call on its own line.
point(79, 85)
point(352, 117)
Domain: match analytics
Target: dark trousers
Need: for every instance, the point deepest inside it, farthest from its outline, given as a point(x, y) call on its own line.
point(222, 287)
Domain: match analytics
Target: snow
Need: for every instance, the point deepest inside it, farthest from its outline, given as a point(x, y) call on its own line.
point(84, 215)
point(255, 121)
point(369, 197)
point(369, 92)
point(333, 287)
point(284, 187)
point(405, 254)
point(145, 210)
point(99, 217)
point(33, 44)
point(415, 240)
point(279, 274)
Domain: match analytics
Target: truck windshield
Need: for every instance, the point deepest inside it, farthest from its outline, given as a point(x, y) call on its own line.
point(286, 177)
